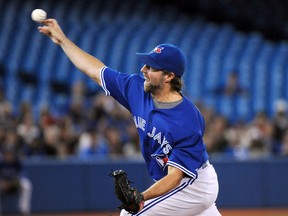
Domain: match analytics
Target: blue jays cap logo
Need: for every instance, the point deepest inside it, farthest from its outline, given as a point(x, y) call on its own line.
point(158, 49)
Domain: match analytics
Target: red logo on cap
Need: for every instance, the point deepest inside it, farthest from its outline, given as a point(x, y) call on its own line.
point(158, 49)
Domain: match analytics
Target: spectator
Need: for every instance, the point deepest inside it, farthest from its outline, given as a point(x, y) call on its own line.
point(258, 136)
point(78, 93)
point(12, 180)
point(7, 118)
point(68, 137)
point(279, 125)
point(27, 129)
point(91, 145)
point(113, 139)
point(232, 87)
point(284, 145)
point(215, 138)
point(236, 147)
point(131, 147)
point(51, 141)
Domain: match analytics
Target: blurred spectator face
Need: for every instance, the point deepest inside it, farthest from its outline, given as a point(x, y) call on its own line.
point(11, 138)
point(51, 135)
point(9, 155)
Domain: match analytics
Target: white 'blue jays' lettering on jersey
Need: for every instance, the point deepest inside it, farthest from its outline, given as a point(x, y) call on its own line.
point(167, 136)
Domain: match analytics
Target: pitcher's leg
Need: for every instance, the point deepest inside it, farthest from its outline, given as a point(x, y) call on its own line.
point(210, 211)
point(183, 200)
point(191, 198)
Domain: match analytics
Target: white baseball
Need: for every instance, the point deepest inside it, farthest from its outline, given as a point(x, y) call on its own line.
point(38, 15)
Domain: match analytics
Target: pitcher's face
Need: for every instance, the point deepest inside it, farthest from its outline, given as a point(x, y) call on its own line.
point(154, 79)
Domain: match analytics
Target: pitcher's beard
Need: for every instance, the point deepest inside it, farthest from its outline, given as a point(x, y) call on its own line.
point(149, 88)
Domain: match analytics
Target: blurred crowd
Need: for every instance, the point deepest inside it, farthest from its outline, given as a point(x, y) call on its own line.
point(98, 127)
point(92, 127)
point(262, 137)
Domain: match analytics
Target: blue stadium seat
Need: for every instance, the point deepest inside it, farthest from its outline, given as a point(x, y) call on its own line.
point(261, 78)
point(8, 24)
point(277, 75)
point(30, 62)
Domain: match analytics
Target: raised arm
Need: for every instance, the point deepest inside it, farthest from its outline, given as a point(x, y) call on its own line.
point(85, 62)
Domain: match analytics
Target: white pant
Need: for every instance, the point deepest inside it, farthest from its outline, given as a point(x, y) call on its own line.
point(25, 194)
point(191, 198)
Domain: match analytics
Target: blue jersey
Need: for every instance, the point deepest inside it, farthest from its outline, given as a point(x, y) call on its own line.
point(167, 136)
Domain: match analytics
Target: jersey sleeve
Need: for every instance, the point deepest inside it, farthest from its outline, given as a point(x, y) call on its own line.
point(188, 157)
point(121, 86)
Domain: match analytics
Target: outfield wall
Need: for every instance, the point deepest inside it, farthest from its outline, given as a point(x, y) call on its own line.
point(73, 185)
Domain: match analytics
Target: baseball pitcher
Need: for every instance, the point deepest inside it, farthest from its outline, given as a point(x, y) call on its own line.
point(169, 125)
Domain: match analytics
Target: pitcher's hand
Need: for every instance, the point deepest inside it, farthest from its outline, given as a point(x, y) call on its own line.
point(52, 30)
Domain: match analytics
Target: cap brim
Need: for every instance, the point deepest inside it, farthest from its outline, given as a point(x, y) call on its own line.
point(146, 59)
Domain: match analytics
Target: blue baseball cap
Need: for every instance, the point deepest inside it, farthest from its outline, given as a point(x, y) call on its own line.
point(166, 57)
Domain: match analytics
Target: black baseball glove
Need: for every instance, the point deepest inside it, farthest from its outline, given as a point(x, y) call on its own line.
point(130, 198)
